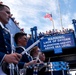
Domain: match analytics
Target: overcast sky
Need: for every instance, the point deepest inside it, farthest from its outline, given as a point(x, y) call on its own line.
point(30, 13)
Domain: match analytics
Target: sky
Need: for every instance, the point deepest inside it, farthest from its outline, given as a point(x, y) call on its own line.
point(30, 13)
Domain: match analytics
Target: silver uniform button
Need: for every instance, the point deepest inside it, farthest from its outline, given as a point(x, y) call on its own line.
point(7, 51)
point(6, 46)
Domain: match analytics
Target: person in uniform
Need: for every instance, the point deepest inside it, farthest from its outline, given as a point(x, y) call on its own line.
point(20, 39)
point(5, 42)
point(36, 54)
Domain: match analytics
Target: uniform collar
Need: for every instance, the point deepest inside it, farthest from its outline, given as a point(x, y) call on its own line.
point(3, 26)
point(1, 23)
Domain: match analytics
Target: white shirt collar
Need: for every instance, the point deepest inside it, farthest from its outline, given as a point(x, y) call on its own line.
point(2, 25)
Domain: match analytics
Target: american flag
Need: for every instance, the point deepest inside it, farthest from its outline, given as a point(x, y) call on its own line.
point(48, 16)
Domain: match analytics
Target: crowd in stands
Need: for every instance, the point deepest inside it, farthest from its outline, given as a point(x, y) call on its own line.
point(55, 32)
point(49, 33)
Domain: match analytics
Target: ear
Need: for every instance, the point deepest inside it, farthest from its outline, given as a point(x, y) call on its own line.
point(19, 39)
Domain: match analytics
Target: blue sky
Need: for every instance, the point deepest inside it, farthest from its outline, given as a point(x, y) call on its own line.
point(30, 13)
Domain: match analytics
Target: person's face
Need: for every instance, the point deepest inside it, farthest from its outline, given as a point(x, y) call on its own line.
point(5, 15)
point(42, 56)
point(23, 40)
point(37, 51)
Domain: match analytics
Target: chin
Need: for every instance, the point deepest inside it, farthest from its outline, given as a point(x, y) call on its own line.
point(6, 22)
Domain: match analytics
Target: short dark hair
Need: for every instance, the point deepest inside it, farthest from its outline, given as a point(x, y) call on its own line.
point(2, 6)
point(18, 35)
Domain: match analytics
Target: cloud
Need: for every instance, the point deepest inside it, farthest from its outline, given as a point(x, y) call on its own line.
point(31, 13)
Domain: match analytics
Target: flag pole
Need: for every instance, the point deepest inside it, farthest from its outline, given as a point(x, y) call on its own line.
point(60, 15)
point(52, 21)
point(53, 24)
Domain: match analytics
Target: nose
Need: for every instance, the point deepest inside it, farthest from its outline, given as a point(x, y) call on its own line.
point(10, 15)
